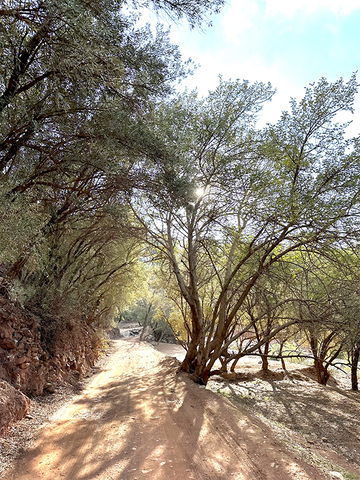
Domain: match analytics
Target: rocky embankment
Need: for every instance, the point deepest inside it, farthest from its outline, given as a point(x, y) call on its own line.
point(32, 361)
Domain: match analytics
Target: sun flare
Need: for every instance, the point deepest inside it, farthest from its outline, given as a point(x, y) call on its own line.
point(200, 191)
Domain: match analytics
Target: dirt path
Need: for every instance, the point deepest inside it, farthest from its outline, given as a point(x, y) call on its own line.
point(138, 419)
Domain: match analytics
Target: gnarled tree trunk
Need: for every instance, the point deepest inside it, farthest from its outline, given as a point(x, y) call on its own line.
point(322, 373)
point(354, 367)
point(264, 357)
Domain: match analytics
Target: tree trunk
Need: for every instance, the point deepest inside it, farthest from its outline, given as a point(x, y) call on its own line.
point(223, 368)
point(281, 357)
point(195, 363)
point(264, 357)
point(233, 366)
point(189, 363)
point(354, 366)
point(146, 322)
point(322, 373)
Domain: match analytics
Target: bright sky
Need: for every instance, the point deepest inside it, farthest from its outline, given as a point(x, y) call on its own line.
point(287, 42)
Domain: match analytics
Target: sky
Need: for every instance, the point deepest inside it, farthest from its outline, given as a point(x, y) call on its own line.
point(289, 43)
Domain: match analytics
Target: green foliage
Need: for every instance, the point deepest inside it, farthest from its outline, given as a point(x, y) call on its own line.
point(349, 476)
point(20, 223)
point(251, 231)
point(152, 307)
point(76, 82)
point(275, 205)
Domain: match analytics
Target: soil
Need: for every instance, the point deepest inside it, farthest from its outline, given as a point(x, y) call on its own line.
point(140, 419)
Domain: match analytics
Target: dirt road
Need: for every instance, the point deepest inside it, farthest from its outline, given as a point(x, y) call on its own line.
point(138, 419)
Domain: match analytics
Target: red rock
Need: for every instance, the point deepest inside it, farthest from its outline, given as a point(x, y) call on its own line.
point(7, 343)
point(13, 406)
point(26, 332)
point(20, 360)
point(23, 366)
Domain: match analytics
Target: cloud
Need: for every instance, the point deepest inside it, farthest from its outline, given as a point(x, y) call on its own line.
point(287, 8)
point(242, 16)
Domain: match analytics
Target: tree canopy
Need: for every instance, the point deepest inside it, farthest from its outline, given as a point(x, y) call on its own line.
point(104, 167)
point(76, 83)
point(246, 201)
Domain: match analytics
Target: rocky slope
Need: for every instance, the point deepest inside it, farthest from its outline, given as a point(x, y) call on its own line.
point(34, 356)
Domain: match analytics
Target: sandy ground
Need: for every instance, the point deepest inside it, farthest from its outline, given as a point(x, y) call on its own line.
point(138, 419)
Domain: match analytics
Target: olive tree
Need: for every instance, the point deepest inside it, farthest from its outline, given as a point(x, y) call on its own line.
point(234, 202)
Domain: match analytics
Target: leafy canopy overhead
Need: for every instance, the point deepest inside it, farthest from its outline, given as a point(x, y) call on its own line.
point(77, 79)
